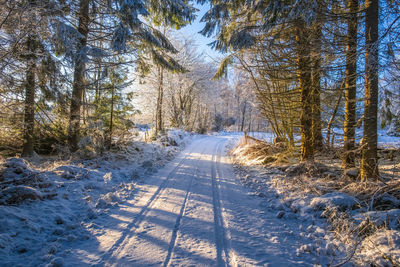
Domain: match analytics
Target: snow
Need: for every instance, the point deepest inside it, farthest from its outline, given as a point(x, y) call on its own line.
point(293, 206)
point(192, 212)
point(382, 249)
point(335, 199)
point(17, 194)
point(384, 140)
point(47, 207)
point(389, 219)
point(335, 222)
point(135, 208)
point(387, 141)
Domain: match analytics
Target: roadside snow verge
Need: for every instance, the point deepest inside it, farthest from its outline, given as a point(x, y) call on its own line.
point(332, 208)
point(337, 200)
point(46, 206)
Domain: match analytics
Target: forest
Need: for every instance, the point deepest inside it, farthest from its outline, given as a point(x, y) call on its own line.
point(74, 68)
point(117, 81)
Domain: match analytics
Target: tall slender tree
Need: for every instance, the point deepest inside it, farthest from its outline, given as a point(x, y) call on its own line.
point(79, 75)
point(304, 75)
point(369, 158)
point(242, 25)
point(160, 98)
point(348, 159)
point(316, 77)
point(24, 45)
point(30, 87)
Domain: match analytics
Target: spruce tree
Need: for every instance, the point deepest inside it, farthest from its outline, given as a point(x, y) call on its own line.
point(348, 159)
point(134, 32)
point(369, 157)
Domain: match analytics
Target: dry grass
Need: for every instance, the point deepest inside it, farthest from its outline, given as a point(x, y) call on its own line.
point(253, 152)
point(324, 174)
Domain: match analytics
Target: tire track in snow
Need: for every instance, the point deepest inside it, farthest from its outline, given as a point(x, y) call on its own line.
point(223, 257)
point(174, 236)
point(231, 255)
point(121, 242)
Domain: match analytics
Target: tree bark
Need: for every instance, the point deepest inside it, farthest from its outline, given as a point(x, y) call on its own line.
point(159, 118)
point(111, 116)
point(348, 160)
point(243, 115)
point(304, 76)
point(369, 158)
point(78, 86)
point(316, 83)
point(332, 119)
point(29, 108)
point(249, 128)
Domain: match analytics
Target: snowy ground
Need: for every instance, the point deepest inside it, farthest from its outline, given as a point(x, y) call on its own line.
point(349, 222)
point(192, 212)
point(49, 206)
point(128, 210)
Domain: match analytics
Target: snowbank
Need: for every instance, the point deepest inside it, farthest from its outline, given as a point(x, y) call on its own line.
point(389, 219)
point(339, 200)
point(381, 249)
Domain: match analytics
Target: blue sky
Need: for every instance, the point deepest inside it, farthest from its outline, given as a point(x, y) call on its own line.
point(193, 30)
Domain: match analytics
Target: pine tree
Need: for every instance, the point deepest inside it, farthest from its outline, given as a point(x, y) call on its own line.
point(30, 87)
point(316, 76)
point(348, 159)
point(113, 106)
point(79, 75)
point(369, 157)
point(26, 50)
point(304, 76)
point(132, 34)
point(243, 25)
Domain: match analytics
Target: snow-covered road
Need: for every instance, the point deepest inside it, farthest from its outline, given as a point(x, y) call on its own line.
point(193, 212)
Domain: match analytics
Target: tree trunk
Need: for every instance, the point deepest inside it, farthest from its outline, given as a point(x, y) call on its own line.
point(238, 109)
point(249, 128)
point(369, 158)
point(332, 119)
point(159, 118)
point(304, 76)
point(316, 84)
point(29, 108)
point(243, 115)
point(350, 86)
point(111, 116)
point(79, 77)
point(98, 74)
